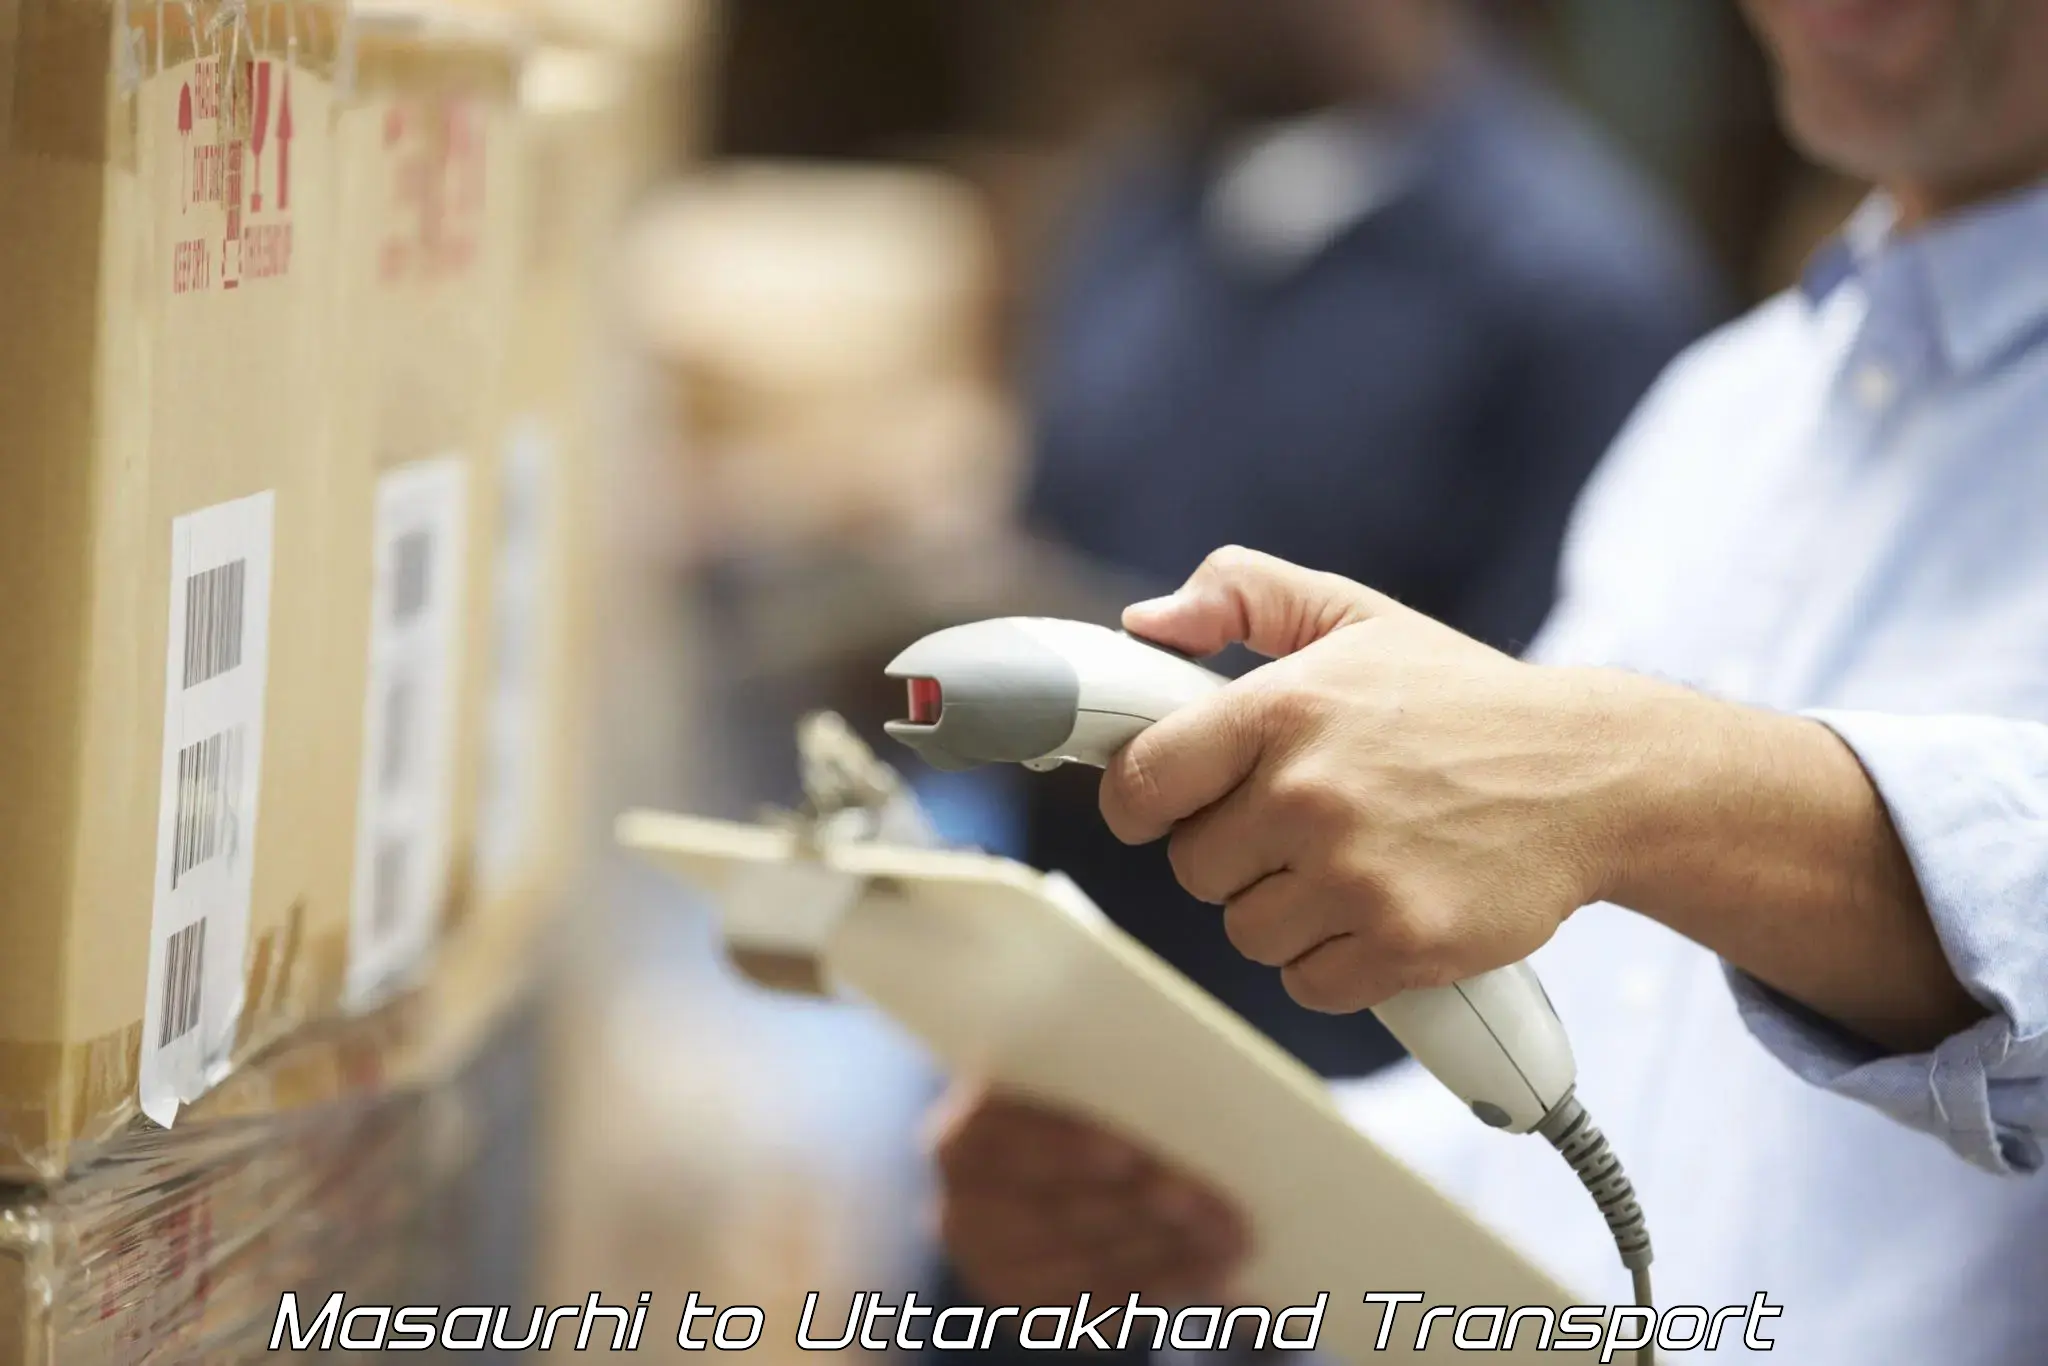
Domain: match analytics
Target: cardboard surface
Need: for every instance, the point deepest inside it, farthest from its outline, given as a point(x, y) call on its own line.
point(534, 691)
point(1013, 977)
point(262, 265)
point(428, 173)
point(163, 172)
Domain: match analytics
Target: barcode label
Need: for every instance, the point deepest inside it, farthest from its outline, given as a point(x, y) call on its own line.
point(209, 774)
point(184, 983)
point(214, 601)
point(405, 790)
point(400, 717)
point(387, 890)
point(412, 558)
point(216, 670)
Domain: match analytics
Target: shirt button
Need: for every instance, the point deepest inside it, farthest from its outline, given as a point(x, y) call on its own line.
point(1875, 386)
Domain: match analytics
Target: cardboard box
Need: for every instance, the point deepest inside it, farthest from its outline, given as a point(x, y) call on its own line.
point(165, 202)
point(428, 174)
point(535, 690)
point(663, 49)
point(826, 329)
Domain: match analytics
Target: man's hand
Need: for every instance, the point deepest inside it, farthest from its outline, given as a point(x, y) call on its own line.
point(1388, 805)
point(1391, 805)
point(1037, 1207)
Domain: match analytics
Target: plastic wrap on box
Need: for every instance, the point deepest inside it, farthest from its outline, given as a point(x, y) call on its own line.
point(177, 1246)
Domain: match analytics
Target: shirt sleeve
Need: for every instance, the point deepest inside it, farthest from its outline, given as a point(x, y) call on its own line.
point(1969, 798)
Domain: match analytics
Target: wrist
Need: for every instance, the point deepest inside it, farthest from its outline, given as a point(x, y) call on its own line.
point(1707, 801)
point(1760, 836)
point(1670, 773)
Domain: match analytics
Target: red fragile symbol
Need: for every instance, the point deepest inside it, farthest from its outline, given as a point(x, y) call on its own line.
point(259, 128)
point(185, 152)
point(284, 142)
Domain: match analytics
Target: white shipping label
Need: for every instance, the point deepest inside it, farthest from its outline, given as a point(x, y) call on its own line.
point(216, 671)
point(523, 641)
point(406, 787)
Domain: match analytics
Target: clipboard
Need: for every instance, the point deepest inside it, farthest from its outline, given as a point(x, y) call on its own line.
point(1015, 977)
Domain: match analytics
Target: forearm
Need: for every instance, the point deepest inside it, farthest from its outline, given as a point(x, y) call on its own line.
point(1760, 837)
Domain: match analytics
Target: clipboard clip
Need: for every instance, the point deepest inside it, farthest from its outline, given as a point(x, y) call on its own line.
point(849, 794)
point(776, 919)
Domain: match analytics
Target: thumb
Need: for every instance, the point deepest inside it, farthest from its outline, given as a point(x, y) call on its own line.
point(1241, 596)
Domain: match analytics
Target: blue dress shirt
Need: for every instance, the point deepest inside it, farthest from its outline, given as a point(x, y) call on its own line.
point(1837, 506)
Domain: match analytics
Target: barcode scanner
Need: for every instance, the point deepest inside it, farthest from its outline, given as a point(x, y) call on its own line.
point(1043, 693)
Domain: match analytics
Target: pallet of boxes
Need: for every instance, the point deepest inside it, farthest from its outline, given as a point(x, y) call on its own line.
point(286, 713)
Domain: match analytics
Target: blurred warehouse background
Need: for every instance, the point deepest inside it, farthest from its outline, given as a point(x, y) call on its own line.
point(786, 276)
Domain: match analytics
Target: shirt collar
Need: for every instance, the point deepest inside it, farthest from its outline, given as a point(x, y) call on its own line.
point(1984, 270)
point(1283, 194)
point(1287, 191)
point(1850, 252)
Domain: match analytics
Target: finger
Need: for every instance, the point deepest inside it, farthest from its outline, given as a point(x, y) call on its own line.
point(1109, 1274)
point(1226, 1244)
point(1278, 920)
point(1180, 765)
point(1055, 1162)
point(972, 1131)
point(1218, 854)
point(1027, 1254)
point(1096, 1216)
point(1204, 1280)
point(1341, 977)
point(1189, 1282)
point(1241, 596)
point(1174, 1272)
point(1136, 1228)
point(1197, 1250)
point(1142, 1251)
point(1064, 1279)
point(1209, 1224)
point(1003, 1225)
point(1157, 1198)
point(1120, 1262)
point(1030, 1226)
point(1055, 1277)
point(1194, 1276)
point(987, 1117)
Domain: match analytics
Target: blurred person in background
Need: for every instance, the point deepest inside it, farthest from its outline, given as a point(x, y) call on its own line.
point(1373, 301)
point(1370, 299)
point(1830, 514)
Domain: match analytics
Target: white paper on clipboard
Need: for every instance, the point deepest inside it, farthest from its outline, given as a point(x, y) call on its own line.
point(1014, 976)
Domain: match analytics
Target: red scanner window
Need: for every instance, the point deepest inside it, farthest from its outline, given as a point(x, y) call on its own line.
point(926, 701)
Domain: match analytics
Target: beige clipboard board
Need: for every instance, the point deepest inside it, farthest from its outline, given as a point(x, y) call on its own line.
point(1014, 977)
